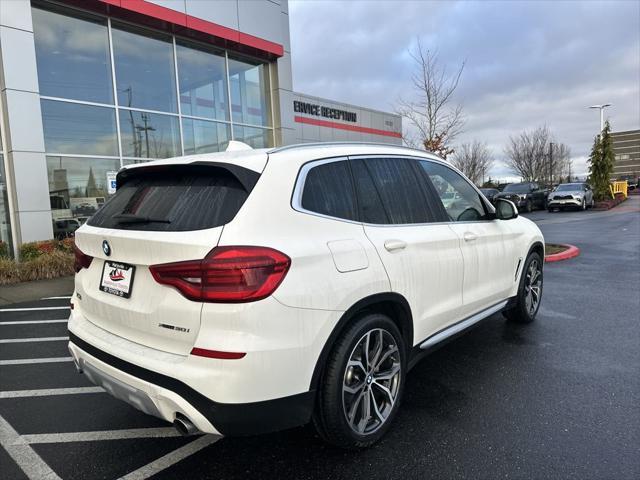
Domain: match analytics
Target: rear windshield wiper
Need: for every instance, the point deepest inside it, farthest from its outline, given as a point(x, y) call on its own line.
point(133, 218)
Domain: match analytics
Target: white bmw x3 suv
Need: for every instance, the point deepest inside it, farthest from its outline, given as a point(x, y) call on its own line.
point(255, 290)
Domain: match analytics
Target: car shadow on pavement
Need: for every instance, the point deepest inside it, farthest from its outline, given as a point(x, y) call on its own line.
point(440, 394)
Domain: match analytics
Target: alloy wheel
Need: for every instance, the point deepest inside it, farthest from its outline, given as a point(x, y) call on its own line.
point(533, 287)
point(371, 381)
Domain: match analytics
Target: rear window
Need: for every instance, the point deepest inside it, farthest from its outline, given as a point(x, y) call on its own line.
point(175, 198)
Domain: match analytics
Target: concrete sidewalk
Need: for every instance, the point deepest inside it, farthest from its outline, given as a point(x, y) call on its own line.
point(28, 291)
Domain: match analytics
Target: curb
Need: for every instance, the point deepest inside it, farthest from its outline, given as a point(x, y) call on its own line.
point(570, 252)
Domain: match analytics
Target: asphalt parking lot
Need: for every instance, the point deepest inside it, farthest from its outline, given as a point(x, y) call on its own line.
point(556, 399)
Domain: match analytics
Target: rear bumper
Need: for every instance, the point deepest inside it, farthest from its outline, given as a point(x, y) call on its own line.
point(164, 396)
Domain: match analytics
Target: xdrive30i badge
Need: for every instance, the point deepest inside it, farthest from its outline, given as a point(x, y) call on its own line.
point(106, 248)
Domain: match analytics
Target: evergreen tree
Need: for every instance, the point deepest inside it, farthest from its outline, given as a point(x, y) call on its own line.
point(601, 162)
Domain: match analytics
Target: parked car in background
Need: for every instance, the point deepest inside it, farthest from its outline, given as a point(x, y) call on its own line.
point(571, 195)
point(490, 193)
point(275, 287)
point(65, 227)
point(526, 195)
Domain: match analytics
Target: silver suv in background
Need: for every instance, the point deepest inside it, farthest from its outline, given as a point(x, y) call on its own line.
point(571, 195)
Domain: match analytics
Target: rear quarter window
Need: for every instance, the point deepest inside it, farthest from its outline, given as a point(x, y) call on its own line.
point(328, 190)
point(176, 198)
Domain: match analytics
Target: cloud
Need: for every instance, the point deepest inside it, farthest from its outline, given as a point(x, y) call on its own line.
point(528, 63)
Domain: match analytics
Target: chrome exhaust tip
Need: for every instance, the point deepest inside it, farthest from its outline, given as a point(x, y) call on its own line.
point(184, 426)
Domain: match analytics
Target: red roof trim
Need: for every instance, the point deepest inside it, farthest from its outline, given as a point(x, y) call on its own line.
point(155, 11)
point(344, 126)
point(197, 24)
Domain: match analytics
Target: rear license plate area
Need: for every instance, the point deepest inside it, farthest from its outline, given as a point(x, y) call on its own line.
point(117, 278)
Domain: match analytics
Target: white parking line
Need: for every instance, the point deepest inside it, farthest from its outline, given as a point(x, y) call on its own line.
point(25, 361)
point(33, 339)
point(27, 322)
point(31, 309)
point(55, 298)
point(47, 392)
point(26, 457)
point(100, 435)
point(171, 458)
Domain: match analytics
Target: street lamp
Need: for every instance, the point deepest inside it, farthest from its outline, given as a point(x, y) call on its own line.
point(601, 107)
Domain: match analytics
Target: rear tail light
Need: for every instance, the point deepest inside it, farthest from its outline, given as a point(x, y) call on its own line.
point(226, 274)
point(82, 260)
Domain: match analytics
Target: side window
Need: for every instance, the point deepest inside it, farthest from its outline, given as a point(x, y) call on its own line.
point(459, 198)
point(398, 188)
point(371, 208)
point(328, 190)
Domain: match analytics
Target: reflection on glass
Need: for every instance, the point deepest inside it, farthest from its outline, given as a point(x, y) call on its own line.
point(203, 83)
point(77, 188)
point(249, 93)
point(5, 226)
point(149, 135)
point(79, 129)
point(144, 70)
point(72, 56)
point(256, 137)
point(201, 136)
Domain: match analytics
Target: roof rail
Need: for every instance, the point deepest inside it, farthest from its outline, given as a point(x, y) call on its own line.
point(339, 144)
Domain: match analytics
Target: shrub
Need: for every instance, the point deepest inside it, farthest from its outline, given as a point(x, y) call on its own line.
point(4, 249)
point(39, 260)
point(33, 250)
point(66, 245)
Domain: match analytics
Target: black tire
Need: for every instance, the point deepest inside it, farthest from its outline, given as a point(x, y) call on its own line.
point(550, 210)
point(583, 207)
point(529, 207)
point(521, 312)
point(330, 416)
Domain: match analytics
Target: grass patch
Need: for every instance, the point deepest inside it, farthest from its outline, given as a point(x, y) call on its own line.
point(553, 248)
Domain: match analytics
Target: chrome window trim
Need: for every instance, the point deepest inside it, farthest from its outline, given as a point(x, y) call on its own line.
point(296, 197)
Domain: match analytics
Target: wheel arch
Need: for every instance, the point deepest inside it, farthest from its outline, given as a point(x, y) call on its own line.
point(537, 247)
point(391, 304)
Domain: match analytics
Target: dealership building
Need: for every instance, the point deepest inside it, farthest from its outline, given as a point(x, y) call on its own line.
point(87, 86)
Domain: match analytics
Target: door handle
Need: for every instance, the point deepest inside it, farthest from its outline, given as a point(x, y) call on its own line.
point(393, 245)
point(469, 236)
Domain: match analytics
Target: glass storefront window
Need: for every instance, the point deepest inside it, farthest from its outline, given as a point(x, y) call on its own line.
point(256, 137)
point(249, 93)
point(77, 188)
point(72, 56)
point(79, 129)
point(145, 72)
point(149, 135)
point(5, 225)
point(203, 83)
point(201, 136)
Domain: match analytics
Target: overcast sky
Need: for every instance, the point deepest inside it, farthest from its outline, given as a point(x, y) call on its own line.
point(528, 63)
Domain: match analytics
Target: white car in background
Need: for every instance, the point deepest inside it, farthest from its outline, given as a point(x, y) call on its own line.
point(256, 290)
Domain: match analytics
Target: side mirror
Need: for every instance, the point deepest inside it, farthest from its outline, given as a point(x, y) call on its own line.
point(505, 209)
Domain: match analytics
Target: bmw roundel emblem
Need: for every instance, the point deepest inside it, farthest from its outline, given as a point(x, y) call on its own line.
point(106, 248)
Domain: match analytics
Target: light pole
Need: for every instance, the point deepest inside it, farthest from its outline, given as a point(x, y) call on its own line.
point(601, 107)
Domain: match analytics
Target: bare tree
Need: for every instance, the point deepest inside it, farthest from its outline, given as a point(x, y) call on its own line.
point(474, 160)
point(526, 153)
point(536, 156)
point(560, 163)
point(435, 119)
